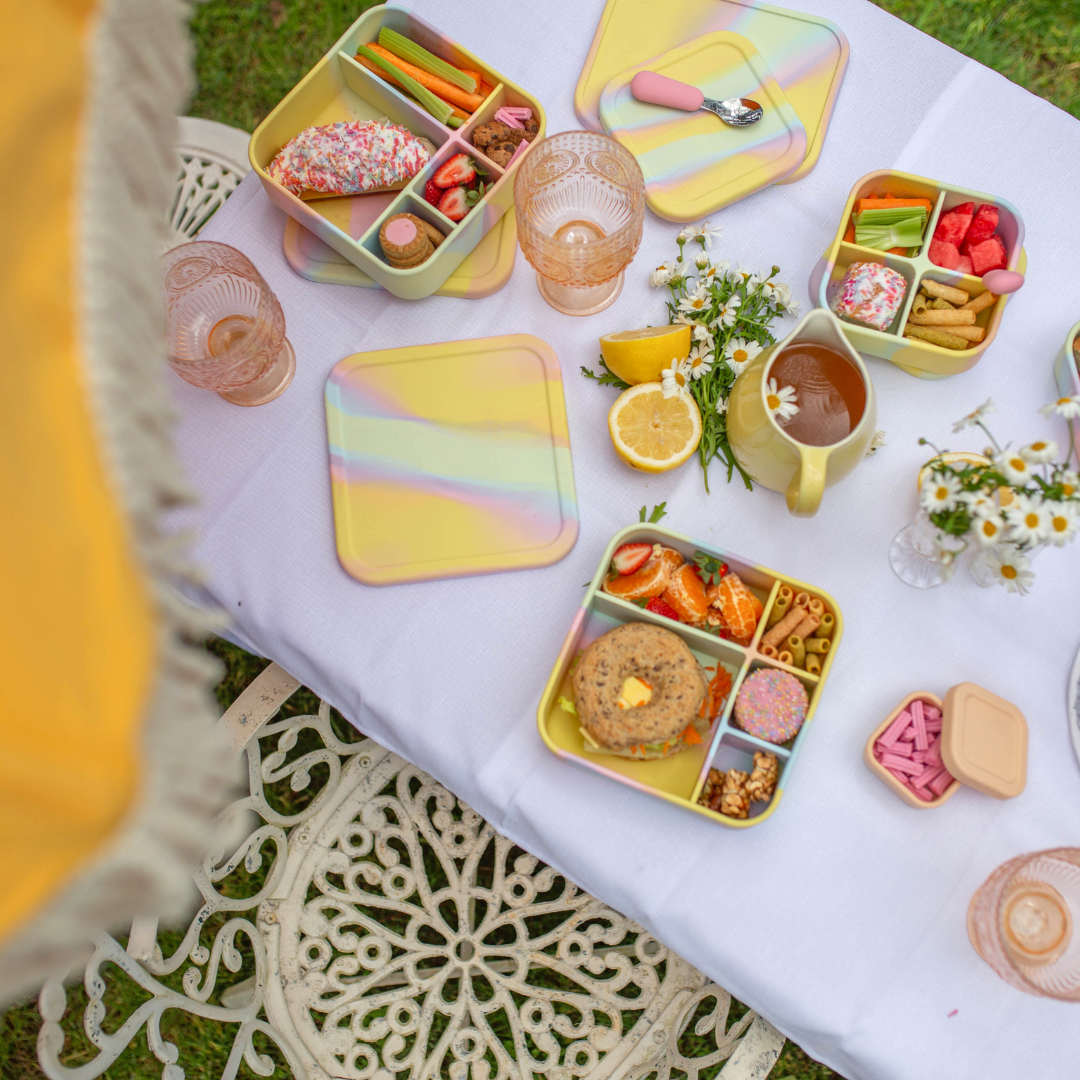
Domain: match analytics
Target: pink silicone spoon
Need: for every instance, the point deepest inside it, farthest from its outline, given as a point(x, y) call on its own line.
point(1002, 281)
point(660, 90)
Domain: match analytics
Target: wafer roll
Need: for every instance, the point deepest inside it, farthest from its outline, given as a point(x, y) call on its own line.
point(807, 627)
point(785, 627)
point(936, 336)
point(813, 664)
point(797, 649)
point(818, 645)
point(945, 292)
point(780, 605)
point(980, 302)
point(828, 625)
point(938, 317)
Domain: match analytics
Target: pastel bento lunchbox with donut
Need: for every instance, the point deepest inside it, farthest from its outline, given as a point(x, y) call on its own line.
point(339, 88)
point(764, 681)
point(897, 274)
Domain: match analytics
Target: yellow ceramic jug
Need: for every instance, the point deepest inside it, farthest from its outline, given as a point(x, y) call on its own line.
point(776, 460)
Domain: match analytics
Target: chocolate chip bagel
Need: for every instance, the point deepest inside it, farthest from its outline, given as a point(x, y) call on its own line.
point(620, 661)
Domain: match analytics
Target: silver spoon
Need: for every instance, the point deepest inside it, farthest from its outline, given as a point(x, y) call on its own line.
point(658, 89)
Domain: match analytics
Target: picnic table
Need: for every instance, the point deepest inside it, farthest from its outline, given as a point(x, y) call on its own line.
point(842, 918)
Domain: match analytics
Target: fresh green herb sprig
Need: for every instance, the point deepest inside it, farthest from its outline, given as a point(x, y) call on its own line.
point(608, 378)
point(658, 512)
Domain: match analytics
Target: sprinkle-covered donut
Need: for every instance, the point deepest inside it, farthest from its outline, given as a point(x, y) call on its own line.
point(652, 655)
point(771, 705)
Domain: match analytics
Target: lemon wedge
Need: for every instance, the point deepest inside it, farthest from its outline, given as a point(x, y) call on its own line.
point(638, 356)
point(651, 432)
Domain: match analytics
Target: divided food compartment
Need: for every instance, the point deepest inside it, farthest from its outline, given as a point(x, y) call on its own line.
point(681, 777)
point(339, 88)
point(919, 358)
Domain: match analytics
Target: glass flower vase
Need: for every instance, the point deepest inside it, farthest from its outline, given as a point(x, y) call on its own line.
point(915, 556)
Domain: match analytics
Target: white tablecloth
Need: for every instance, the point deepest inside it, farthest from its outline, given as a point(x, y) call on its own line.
point(842, 918)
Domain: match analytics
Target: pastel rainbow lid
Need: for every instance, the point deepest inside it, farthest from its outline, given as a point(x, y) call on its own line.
point(807, 55)
point(693, 163)
point(450, 459)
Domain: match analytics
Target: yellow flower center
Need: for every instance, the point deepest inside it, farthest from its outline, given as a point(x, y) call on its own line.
point(1068, 489)
point(1008, 572)
point(1018, 464)
point(989, 528)
point(1031, 521)
point(941, 493)
point(1059, 524)
point(773, 402)
point(680, 378)
point(740, 356)
point(1062, 401)
point(1038, 447)
point(697, 305)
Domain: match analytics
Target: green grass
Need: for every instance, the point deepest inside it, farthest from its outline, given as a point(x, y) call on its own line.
point(1036, 43)
point(249, 54)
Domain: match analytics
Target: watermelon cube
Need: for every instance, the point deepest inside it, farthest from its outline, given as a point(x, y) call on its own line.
point(964, 265)
point(944, 254)
point(953, 226)
point(983, 226)
point(987, 256)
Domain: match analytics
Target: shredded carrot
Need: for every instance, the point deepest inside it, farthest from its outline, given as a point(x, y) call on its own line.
point(447, 91)
point(719, 689)
point(691, 736)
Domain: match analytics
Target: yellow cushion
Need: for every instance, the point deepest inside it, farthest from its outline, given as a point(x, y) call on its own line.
point(77, 633)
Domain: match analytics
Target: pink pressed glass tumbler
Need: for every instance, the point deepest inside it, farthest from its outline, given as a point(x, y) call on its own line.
point(224, 328)
point(579, 199)
point(1022, 923)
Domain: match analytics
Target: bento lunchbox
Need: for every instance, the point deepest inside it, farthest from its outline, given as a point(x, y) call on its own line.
point(338, 88)
point(920, 358)
point(682, 777)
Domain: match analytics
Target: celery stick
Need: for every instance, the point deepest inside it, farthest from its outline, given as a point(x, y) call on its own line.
point(401, 46)
point(454, 121)
point(890, 215)
point(434, 105)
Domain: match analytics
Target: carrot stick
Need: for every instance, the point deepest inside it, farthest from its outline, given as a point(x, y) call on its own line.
point(376, 70)
point(447, 91)
point(889, 204)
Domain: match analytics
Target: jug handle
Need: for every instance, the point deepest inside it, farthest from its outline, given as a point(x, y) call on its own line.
point(808, 484)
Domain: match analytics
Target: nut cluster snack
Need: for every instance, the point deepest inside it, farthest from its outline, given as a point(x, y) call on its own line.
point(731, 793)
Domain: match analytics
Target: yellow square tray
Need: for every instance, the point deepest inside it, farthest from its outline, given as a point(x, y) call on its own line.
point(693, 163)
point(450, 459)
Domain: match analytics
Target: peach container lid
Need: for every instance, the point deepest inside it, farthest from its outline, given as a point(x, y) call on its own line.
point(983, 744)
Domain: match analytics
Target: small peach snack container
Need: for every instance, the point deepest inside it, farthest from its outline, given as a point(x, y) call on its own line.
point(983, 744)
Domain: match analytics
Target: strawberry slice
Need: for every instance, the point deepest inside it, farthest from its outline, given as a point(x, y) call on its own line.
point(659, 606)
point(455, 203)
point(433, 193)
point(631, 557)
point(458, 170)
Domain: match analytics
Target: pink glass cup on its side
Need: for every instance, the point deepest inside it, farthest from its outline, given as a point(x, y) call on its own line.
point(224, 328)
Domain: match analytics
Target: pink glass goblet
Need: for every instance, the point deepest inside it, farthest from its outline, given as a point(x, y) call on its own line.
point(224, 328)
point(579, 199)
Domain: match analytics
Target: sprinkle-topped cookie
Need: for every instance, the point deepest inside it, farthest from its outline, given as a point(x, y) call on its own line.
point(771, 705)
point(349, 158)
point(870, 293)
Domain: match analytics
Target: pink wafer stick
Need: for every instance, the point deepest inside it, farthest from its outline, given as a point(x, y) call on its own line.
point(931, 712)
point(941, 782)
point(921, 741)
point(923, 794)
point(520, 111)
point(518, 152)
point(933, 755)
point(908, 736)
point(508, 119)
point(892, 733)
point(902, 748)
point(895, 763)
point(931, 772)
point(920, 756)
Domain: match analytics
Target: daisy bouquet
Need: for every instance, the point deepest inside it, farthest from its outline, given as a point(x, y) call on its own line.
point(1005, 504)
point(730, 313)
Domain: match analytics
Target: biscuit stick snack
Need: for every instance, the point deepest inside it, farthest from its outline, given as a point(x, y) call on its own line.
point(785, 627)
point(780, 606)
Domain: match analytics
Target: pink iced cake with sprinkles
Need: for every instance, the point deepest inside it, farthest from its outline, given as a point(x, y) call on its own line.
point(349, 158)
point(871, 294)
point(771, 705)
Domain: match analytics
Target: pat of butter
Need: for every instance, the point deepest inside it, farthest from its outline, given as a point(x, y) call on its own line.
point(635, 692)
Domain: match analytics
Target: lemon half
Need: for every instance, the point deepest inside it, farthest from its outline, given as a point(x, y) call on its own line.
point(651, 432)
point(638, 356)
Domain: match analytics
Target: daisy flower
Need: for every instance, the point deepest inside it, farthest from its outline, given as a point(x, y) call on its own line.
point(701, 333)
point(739, 353)
point(674, 379)
point(1013, 467)
point(716, 272)
point(940, 492)
point(700, 361)
point(1029, 520)
point(721, 406)
point(727, 315)
point(978, 502)
point(784, 298)
point(661, 275)
point(703, 232)
point(1069, 407)
point(781, 403)
point(1063, 523)
point(1040, 452)
point(696, 301)
point(1004, 565)
point(701, 260)
point(1069, 481)
point(989, 529)
point(975, 416)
